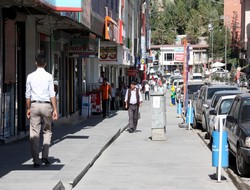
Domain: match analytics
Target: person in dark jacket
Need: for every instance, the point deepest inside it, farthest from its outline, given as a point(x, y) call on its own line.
point(133, 100)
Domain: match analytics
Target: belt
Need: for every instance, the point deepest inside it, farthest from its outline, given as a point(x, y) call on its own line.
point(132, 104)
point(41, 102)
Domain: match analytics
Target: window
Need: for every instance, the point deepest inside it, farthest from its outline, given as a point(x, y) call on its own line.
point(168, 57)
point(225, 106)
point(112, 4)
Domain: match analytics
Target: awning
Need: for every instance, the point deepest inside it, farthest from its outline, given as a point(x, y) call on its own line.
point(218, 64)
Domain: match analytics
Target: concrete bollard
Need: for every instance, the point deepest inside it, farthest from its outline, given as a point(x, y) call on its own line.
point(158, 126)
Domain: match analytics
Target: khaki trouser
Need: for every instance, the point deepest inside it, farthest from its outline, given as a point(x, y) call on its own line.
point(40, 113)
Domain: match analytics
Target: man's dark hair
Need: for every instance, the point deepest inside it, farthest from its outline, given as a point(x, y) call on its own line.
point(40, 61)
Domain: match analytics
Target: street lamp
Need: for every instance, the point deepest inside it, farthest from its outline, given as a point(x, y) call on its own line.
point(211, 29)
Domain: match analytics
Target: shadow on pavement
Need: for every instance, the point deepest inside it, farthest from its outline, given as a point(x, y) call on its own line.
point(14, 155)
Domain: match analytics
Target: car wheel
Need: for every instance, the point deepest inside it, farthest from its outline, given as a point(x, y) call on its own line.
point(204, 123)
point(241, 165)
point(196, 125)
point(210, 141)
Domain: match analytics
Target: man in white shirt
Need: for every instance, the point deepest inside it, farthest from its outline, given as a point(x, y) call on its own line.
point(146, 90)
point(41, 107)
point(133, 100)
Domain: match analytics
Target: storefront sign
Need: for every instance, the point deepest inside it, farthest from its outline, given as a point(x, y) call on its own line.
point(111, 30)
point(179, 57)
point(179, 49)
point(108, 53)
point(64, 5)
point(132, 72)
point(84, 47)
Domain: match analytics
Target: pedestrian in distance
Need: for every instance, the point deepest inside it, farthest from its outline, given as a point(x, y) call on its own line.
point(133, 100)
point(172, 95)
point(113, 91)
point(105, 88)
point(146, 90)
point(123, 93)
point(41, 108)
point(100, 80)
point(160, 87)
point(117, 99)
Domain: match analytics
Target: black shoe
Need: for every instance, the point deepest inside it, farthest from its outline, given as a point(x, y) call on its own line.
point(130, 130)
point(45, 161)
point(36, 165)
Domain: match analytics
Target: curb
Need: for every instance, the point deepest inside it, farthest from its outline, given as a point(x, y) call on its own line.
point(238, 183)
point(69, 185)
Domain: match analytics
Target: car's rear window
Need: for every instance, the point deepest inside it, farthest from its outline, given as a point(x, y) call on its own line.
point(245, 110)
point(194, 88)
point(211, 91)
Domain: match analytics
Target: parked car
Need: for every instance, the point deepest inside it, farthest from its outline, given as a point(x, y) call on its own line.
point(219, 112)
point(179, 85)
point(197, 77)
point(175, 77)
point(238, 128)
point(192, 87)
point(175, 83)
point(203, 103)
point(177, 72)
point(217, 95)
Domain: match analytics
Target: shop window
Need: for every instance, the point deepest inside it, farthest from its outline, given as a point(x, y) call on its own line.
point(168, 57)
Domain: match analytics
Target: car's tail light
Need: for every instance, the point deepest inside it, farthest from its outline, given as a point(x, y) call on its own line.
point(247, 142)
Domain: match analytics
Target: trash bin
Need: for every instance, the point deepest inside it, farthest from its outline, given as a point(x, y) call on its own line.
point(190, 115)
point(179, 108)
point(215, 149)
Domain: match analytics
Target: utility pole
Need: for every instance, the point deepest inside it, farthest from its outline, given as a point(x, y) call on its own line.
point(226, 21)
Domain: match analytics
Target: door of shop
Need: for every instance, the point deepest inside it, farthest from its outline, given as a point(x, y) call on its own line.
point(13, 80)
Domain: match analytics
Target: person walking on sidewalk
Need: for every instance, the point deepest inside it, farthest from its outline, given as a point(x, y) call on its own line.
point(113, 91)
point(41, 108)
point(105, 88)
point(133, 99)
point(147, 89)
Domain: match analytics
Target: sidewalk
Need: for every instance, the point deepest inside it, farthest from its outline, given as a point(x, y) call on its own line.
point(75, 146)
point(181, 162)
point(135, 162)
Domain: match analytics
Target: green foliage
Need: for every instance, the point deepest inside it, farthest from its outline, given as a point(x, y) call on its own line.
point(191, 18)
point(179, 17)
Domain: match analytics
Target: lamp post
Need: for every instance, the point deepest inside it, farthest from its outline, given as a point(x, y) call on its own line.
point(226, 48)
point(211, 29)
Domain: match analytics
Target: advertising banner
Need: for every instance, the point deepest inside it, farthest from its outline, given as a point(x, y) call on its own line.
point(108, 53)
point(96, 102)
point(84, 47)
point(179, 57)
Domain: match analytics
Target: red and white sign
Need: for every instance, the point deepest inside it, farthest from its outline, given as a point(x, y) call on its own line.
point(179, 57)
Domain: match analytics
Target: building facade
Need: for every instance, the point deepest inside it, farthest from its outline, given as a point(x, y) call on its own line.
point(79, 39)
point(172, 57)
